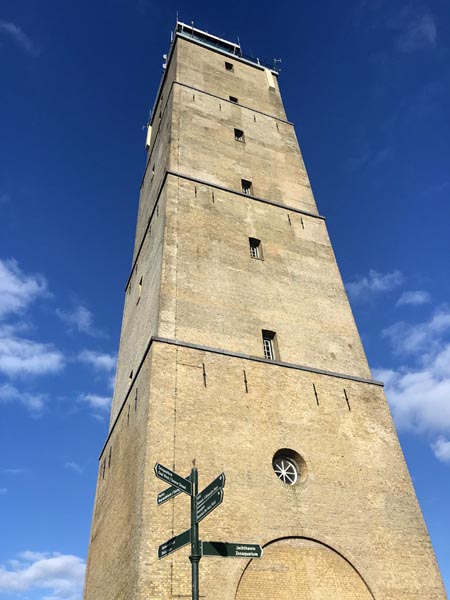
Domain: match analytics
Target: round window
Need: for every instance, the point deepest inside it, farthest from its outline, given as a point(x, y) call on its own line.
point(289, 466)
point(285, 469)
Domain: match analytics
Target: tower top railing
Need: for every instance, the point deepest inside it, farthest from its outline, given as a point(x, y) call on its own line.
point(189, 31)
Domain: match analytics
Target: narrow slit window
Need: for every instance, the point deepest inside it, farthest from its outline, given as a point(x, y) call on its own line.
point(247, 187)
point(239, 135)
point(229, 66)
point(139, 290)
point(269, 344)
point(131, 376)
point(255, 248)
point(234, 99)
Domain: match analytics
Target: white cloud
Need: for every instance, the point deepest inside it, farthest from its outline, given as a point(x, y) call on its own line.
point(419, 390)
point(100, 361)
point(100, 405)
point(35, 403)
point(415, 29)
point(20, 356)
point(414, 298)
point(441, 449)
point(419, 397)
point(19, 37)
point(60, 575)
point(375, 283)
point(74, 466)
point(18, 290)
point(80, 319)
point(421, 337)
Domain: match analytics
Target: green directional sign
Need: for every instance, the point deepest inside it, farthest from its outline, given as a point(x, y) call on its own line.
point(211, 489)
point(208, 505)
point(184, 485)
point(174, 543)
point(169, 493)
point(227, 550)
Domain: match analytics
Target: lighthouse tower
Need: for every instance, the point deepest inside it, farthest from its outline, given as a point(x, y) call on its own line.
point(239, 349)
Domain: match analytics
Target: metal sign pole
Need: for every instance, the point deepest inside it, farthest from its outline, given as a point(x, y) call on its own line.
point(195, 544)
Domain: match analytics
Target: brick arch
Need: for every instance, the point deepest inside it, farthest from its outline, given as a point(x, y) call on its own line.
point(298, 568)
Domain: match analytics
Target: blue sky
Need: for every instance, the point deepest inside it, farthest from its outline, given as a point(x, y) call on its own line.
point(367, 83)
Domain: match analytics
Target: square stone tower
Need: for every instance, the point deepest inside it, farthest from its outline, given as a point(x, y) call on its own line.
point(239, 349)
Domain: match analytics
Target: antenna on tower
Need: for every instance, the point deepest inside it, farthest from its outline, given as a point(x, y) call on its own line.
point(275, 61)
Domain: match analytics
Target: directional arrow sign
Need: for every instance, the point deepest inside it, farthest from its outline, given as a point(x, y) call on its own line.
point(211, 489)
point(231, 550)
point(177, 481)
point(175, 543)
point(208, 505)
point(169, 493)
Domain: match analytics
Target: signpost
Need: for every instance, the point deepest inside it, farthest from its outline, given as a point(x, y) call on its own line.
point(231, 550)
point(184, 485)
point(201, 506)
point(208, 506)
point(169, 493)
point(174, 544)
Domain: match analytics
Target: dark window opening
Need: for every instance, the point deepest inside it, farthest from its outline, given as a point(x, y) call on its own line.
point(239, 135)
point(229, 66)
point(255, 248)
point(233, 99)
point(247, 187)
point(269, 345)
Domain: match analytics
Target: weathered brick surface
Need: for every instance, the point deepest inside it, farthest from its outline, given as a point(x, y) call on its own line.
point(351, 529)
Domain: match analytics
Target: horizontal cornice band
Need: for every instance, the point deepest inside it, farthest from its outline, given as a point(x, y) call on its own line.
point(222, 352)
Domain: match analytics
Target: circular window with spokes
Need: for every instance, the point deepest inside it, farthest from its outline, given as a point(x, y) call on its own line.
point(289, 466)
point(286, 470)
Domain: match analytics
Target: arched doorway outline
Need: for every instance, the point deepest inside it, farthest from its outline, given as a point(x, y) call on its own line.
point(316, 541)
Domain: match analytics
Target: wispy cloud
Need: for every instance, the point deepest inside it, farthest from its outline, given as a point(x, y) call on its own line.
point(98, 360)
point(18, 290)
point(74, 466)
point(19, 37)
point(370, 158)
point(80, 319)
point(35, 403)
point(414, 29)
point(60, 575)
point(374, 283)
point(438, 188)
point(12, 471)
point(414, 298)
point(21, 357)
point(99, 405)
point(410, 339)
point(441, 449)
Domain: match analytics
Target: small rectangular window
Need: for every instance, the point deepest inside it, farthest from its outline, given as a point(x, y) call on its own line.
point(255, 248)
point(239, 135)
point(247, 187)
point(233, 99)
point(139, 290)
point(229, 66)
point(269, 344)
